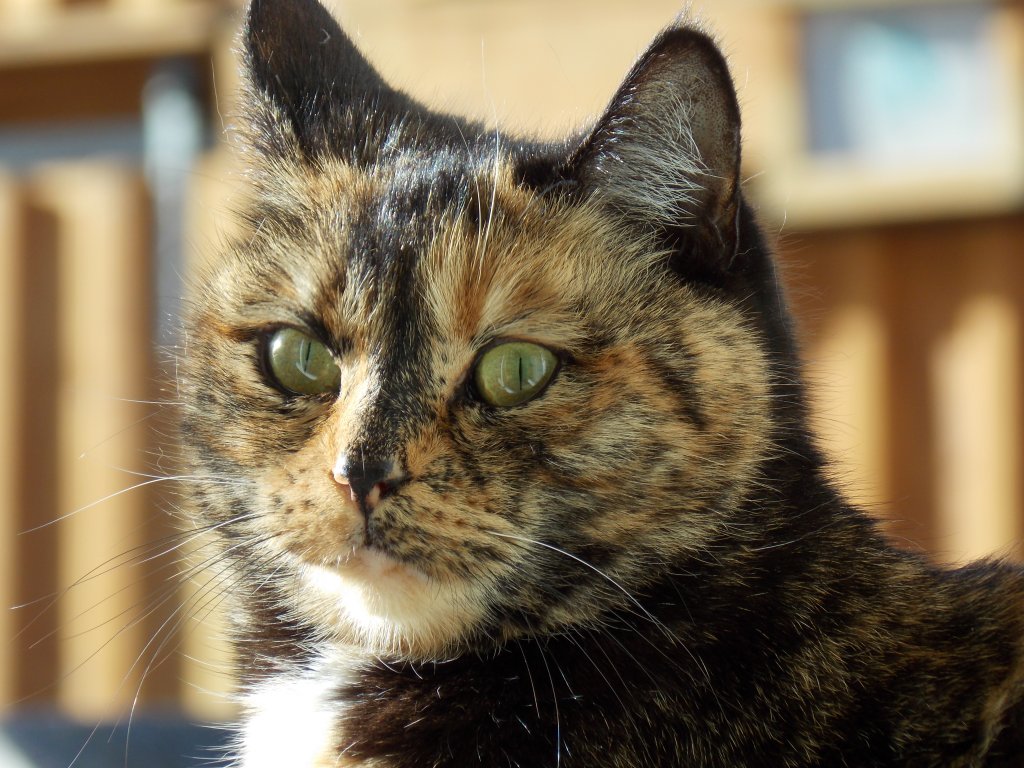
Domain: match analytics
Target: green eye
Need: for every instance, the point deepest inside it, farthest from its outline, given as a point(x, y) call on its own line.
point(513, 373)
point(302, 365)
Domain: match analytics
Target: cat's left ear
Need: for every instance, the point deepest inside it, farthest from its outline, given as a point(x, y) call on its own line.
point(308, 88)
point(666, 153)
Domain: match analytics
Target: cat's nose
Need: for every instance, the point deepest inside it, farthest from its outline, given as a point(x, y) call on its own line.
point(368, 481)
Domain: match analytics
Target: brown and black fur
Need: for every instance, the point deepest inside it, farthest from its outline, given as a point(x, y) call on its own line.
point(644, 566)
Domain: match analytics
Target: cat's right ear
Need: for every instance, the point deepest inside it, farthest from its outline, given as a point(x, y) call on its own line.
point(308, 91)
point(666, 153)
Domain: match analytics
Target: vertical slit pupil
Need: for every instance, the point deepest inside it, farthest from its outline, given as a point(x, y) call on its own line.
point(305, 354)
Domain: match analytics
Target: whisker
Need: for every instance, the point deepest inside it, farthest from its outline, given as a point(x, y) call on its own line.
point(669, 634)
point(108, 497)
point(597, 667)
point(118, 432)
point(111, 565)
point(522, 539)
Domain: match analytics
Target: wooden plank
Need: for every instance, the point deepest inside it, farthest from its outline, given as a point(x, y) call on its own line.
point(104, 358)
point(61, 93)
point(33, 428)
point(486, 59)
point(829, 5)
point(11, 328)
point(138, 6)
point(979, 383)
point(25, 12)
point(1014, 285)
point(977, 380)
point(916, 311)
point(94, 31)
point(207, 655)
point(847, 360)
point(921, 385)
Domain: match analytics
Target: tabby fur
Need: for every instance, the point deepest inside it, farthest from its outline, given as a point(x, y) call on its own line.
point(644, 566)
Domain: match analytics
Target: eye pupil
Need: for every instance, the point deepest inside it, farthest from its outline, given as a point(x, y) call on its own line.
point(301, 365)
point(304, 364)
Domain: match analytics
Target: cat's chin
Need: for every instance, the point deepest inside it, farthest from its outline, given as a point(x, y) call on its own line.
point(376, 601)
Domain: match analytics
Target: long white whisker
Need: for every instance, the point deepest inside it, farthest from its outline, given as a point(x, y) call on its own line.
point(108, 497)
point(657, 622)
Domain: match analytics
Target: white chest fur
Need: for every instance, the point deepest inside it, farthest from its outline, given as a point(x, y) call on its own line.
point(293, 722)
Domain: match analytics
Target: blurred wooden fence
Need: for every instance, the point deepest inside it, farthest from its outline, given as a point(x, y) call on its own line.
point(914, 337)
point(87, 547)
point(913, 334)
point(77, 331)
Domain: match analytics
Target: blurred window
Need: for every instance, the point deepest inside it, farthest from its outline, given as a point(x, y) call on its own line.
point(903, 86)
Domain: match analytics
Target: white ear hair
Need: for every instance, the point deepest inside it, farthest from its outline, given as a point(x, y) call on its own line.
point(656, 173)
point(666, 151)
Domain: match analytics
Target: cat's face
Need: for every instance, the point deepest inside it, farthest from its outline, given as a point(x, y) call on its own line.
point(623, 450)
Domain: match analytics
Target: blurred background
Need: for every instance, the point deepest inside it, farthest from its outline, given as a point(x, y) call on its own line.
point(884, 150)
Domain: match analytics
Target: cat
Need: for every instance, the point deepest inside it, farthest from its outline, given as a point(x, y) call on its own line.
point(509, 460)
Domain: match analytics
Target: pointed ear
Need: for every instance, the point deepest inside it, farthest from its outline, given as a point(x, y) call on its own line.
point(666, 153)
point(307, 87)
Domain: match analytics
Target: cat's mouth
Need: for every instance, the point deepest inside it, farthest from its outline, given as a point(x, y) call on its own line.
point(370, 578)
point(387, 605)
point(372, 563)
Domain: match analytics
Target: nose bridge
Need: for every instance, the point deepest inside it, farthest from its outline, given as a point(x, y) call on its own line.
point(370, 462)
point(396, 340)
point(388, 417)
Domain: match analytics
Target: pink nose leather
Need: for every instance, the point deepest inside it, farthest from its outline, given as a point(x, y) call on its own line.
point(366, 482)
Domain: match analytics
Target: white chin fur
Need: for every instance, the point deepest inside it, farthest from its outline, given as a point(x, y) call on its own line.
point(387, 606)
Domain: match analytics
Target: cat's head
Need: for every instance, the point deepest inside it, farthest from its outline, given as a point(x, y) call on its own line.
point(451, 386)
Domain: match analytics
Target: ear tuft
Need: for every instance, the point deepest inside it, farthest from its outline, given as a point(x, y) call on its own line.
point(666, 153)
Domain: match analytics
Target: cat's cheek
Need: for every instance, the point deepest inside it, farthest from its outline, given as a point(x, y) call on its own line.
point(304, 511)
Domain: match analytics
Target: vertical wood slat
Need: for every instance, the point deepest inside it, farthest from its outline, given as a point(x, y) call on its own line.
point(104, 360)
point(978, 383)
point(976, 377)
point(29, 495)
point(847, 361)
point(11, 243)
point(942, 347)
point(915, 311)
